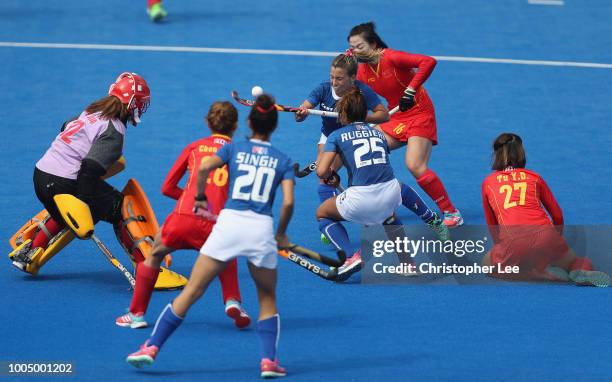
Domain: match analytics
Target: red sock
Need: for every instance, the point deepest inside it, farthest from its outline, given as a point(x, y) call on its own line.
point(432, 185)
point(229, 282)
point(151, 2)
point(145, 283)
point(581, 263)
point(41, 239)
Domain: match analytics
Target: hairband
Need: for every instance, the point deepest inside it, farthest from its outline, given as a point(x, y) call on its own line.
point(264, 111)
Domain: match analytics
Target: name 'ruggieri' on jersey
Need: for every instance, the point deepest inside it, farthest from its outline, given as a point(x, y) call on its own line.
point(256, 160)
point(366, 133)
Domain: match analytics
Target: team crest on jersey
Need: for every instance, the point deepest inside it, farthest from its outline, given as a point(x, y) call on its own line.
point(259, 150)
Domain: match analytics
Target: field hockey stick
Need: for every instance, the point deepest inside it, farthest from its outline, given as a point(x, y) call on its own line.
point(305, 171)
point(113, 260)
point(250, 103)
point(312, 166)
point(77, 216)
point(290, 254)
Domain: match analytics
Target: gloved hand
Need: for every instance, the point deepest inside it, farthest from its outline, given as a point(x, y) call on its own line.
point(407, 101)
point(333, 180)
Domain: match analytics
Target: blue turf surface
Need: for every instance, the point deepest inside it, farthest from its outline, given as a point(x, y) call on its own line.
point(330, 332)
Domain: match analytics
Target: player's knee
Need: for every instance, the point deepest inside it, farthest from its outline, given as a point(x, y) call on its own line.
point(416, 167)
point(320, 213)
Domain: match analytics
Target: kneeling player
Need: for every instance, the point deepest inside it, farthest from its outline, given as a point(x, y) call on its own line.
point(183, 229)
point(373, 193)
point(524, 235)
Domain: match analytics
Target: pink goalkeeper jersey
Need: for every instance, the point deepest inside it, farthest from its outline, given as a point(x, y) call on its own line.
point(88, 136)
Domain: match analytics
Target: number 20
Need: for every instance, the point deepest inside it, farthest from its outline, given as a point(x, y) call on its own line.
point(255, 177)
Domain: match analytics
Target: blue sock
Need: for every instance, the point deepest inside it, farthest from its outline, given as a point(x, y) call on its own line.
point(412, 201)
point(166, 324)
point(325, 192)
point(336, 233)
point(269, 332)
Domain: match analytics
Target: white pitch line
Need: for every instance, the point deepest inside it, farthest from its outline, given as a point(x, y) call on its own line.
point(546, 2)
point(187, 49)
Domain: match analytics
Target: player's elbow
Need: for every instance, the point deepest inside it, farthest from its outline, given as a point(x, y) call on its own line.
point(170, 191)
point(288, 204)
point(322, 171)
point(432, 62)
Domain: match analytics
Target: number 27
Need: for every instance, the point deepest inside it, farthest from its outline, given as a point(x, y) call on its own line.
point(522, 186)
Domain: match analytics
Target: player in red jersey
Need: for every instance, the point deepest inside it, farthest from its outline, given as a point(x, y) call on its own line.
point(185, 230)
point(398, 77)
point(515, 202)
point(156, 11)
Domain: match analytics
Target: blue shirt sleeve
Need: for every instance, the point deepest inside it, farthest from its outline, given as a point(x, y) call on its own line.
point(316, 95)
point(372, 99)
point(331, 145)
point(288, 170)
point(225, 152)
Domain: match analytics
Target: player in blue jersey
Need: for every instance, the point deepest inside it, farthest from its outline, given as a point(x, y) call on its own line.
point(256, 169)
point(373, 193)
point(342, 80)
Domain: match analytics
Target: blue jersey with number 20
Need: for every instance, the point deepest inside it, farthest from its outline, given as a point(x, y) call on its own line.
point(255, 171)
point(364, 152)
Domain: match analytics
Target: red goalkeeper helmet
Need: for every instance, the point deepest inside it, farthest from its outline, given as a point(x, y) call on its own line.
point(133, 91)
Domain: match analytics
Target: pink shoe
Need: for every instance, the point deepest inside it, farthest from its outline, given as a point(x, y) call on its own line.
point(134, 321)
point(351, 265)
point(145, 356)
point(234, 310)
point(453, 219)
point(271, 369)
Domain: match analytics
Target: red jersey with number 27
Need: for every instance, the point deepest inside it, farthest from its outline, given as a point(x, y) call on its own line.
point(189, 160)
point(515, 196)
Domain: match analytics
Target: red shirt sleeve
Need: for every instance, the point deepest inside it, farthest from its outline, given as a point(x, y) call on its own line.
point(550, 203)
point(170, 186)
point(424, 64)
point(489, 214)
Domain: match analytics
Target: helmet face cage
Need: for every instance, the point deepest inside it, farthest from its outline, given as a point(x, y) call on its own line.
point(133, 91)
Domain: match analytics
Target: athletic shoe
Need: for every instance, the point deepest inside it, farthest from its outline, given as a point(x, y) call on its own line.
point(325, 240)
point(556, 274)
point(129, 320)
point(439, 227)
point(145, 356)
point(453, 219)
point(234, 310)
point(351, 265)
point(590, 278)
point(271, 369)
point(157, 12)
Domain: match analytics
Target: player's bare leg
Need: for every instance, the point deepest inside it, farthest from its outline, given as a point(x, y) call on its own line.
point(204, 271)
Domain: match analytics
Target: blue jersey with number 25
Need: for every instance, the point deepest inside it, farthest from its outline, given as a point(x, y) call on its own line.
point(364, 152)
point(255, 171)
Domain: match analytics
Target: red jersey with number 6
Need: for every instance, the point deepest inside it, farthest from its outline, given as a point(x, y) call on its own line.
point(515, 196)
point(189, 160)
